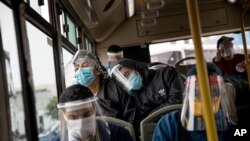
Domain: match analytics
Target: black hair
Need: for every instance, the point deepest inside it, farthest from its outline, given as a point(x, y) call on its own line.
point(75, 92)
point(211, 69)
point(114, 49)
point(223, 38)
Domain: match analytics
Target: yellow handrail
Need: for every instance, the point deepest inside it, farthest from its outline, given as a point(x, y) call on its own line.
point(247, 61)
point(208, 115)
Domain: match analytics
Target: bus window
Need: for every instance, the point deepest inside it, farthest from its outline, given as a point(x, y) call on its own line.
point(41, 7)
point(13, 74)
point(43, 69)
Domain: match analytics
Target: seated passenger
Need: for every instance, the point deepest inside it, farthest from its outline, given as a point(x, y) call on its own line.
point(150, 89)
point(114, 53)
point(113, 100)
point(188, 124)
point(81, 118)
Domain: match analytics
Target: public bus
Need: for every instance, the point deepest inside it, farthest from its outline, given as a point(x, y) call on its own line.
point(38, 38)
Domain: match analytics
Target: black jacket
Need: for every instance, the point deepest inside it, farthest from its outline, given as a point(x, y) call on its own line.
point(115, 102)
point(161, 87)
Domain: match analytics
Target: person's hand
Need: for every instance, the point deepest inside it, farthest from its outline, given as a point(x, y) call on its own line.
point(241, 67)
point(218, 56)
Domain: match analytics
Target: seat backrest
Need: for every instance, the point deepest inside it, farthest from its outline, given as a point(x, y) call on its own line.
point(148, 125)
point(121, 123)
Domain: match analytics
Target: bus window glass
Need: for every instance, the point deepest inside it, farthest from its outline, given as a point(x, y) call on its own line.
point(12, 73)
point(71, 31)
point(43, 69)
point(43, 10)
point(67, 56)
point(88, 45)
point(180, 49)
point(62, 23)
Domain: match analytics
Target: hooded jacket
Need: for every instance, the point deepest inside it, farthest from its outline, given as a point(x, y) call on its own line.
point(115, 102)
point(160, 88)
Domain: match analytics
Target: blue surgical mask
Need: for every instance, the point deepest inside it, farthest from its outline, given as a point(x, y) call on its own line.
point(136, 81)
point(85, 76)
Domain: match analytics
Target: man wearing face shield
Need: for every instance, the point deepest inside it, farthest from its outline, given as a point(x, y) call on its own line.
point(82, 120)
point(113, 100)
point(230, 64)
point(188, 124)
point(150, 89)
point(114, 53)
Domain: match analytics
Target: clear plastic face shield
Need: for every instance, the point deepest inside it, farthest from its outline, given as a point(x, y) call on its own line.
point(192, 111)
point(228, 48)
point(112, 57)
point(128, 78)
point(83, 69)
point(82, 121)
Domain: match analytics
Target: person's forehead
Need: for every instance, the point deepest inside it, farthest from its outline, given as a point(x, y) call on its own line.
point(124, 68)
point(80, 111)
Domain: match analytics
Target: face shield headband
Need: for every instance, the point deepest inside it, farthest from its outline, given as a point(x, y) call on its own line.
point(192, 111)
point(129, 79)
point(82, 120)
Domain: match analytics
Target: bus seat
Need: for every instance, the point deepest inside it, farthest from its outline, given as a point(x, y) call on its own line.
point(181, 68)
point(121, 123)
point(148, 125)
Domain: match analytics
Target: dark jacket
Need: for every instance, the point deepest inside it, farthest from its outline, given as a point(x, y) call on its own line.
point(169, 128)
point(115, 102)
point(161, 87)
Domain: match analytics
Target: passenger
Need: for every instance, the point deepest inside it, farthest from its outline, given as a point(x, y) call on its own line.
point(188, 124)
point(114, 53)
point(150, 89)
point(113, 100)
point(82, 120)
point(230, 64)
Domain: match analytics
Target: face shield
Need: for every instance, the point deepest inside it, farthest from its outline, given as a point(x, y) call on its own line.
point(112, 57)
point(81, 68)
point(82, 121)
point(129, 79)
point(228, 48)
point(192, 111)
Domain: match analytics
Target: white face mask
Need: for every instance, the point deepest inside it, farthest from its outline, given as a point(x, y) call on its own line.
point(81, 129)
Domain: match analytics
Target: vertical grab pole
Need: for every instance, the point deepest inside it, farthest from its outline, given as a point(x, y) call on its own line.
point(247, 61)
point(208, 115)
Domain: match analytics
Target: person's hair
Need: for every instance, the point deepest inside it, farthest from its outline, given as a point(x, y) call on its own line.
point(75, 92)
point(114, 49)
point(223, 38)
point(211, 69)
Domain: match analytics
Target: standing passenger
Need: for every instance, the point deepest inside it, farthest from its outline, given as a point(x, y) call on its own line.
point(231, 65)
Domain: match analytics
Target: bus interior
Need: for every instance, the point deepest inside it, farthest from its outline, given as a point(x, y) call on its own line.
point(38, 39)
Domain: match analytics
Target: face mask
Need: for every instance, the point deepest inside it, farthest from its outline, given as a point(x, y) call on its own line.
point(136, 81)
point(85, 76)
point(81, 129)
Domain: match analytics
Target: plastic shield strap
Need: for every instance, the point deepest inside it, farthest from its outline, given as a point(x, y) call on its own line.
point(192, 111)
point(82, 121)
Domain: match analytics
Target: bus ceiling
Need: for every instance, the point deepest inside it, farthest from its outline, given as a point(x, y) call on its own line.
point(116, 22)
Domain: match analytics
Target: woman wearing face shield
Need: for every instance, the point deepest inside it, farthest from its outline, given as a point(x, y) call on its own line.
point(150, 89)
point(188, 124)
point(90, 73)
point(231, 65)
point(82, 120)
